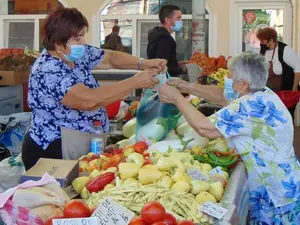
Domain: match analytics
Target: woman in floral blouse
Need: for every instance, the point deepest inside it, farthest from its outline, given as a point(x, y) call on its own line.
point(253, 120)
point(63, 94)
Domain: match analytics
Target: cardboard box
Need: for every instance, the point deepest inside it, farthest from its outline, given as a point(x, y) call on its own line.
point(13, 78)
point(64, 171)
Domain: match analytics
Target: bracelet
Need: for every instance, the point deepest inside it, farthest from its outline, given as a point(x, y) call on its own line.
point(140, 63)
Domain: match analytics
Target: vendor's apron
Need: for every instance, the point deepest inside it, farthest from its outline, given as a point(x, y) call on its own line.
point(76, 143)
point(274, 81)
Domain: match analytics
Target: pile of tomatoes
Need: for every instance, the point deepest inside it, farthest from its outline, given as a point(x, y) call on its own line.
point(74, 209)
point(153, 213)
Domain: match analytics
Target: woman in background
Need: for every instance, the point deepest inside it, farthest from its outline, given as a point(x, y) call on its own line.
point(284, 70)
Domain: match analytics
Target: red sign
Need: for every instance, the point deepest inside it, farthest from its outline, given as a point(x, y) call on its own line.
point(249, 17)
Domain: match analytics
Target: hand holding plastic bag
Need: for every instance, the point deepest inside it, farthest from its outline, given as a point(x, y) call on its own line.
point(154, 118)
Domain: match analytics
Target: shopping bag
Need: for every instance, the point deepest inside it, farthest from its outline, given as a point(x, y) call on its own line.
point(154, 118)
point(11, 170)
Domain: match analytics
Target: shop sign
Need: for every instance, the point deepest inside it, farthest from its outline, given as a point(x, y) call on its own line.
point(249, 17)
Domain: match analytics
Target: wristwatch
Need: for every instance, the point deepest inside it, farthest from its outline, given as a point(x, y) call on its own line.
point(140, 63)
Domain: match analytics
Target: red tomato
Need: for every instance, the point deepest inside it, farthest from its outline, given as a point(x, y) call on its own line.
point(76, 209)
point(137, 221)
point(147, 162)
point(160, 223)
point(153, 212)
point(49, 222)
point(186, 222)
point(170, 219)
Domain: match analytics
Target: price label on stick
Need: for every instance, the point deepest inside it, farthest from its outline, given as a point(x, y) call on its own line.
point(111, 213)
point(213, 210)
point(196, 174)
point(76, 221)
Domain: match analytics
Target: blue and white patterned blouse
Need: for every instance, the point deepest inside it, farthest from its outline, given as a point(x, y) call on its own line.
point(49, 81)
point(260, 124)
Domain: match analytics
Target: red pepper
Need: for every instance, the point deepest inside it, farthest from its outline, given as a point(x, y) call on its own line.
point(112, 162)
point(108, 155)
point(140, 147)
point(147, 162)
point(146, 154)
point(116, 152)
point(218, 153)
point(99, 183)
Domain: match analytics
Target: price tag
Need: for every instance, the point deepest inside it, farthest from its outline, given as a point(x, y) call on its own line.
point(196, 174)
point(112, 213)
point(213, 210)
point(217, 171)
point(77, 221)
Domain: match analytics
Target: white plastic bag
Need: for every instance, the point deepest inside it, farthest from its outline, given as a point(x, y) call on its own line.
point(11, 170)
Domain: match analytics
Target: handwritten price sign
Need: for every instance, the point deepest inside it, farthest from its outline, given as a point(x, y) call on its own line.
point(213, 210)
point(196, 174)
point(112, 213)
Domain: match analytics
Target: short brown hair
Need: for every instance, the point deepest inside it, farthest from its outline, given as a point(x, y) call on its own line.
point(115, 28)
point(61, 25)
point(267, 33)
point(167, 11)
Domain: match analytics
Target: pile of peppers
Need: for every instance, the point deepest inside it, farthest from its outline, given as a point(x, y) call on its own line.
point(113, 159)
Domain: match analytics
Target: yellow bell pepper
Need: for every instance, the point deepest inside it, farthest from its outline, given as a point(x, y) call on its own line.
point(85, 194)
point(165, 182)
point(136, 158)
point(79, 183)
point(128, 170)
point(149, 175)
point(128, 151)
point(130, 181)
point(181, 186)
point(164, 164)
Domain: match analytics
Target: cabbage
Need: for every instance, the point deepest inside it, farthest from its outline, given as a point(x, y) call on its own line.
point(197, 139)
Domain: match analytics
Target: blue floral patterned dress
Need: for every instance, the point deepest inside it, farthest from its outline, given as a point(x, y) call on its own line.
point(260, 124)
point(49, 81)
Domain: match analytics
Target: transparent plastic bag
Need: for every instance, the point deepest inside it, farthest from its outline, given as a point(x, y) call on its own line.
point(11, 170)
point(154, 118)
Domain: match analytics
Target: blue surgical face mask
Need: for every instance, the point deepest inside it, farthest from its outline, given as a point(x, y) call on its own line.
point(77, 52)
point(229, 93)
point(178, 26)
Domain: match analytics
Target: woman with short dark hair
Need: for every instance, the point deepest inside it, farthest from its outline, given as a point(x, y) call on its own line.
point(67, 102)
point(284, 70)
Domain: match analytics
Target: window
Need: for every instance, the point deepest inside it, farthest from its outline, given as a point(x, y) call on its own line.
point(142, 15)
point(20, 26)
point(255, 19)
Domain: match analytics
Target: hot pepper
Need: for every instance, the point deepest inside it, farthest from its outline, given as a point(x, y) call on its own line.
point(218, 153)
point(99, 183)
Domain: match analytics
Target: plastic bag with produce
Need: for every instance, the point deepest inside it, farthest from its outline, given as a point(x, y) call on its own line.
point(154, 118)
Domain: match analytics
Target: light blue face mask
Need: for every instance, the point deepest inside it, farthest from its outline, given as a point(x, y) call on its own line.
point(178, 26)
point(77, 52)
point(229, 93)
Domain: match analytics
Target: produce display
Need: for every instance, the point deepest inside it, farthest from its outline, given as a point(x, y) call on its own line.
point(181, 172)
point(208, 64)
point(16, 62)
point(219, 76)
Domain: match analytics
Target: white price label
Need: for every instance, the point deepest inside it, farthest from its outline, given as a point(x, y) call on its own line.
point(196, 174)
point(217, 171)
point(77, 221)
point(214, 210)
point(112, 213)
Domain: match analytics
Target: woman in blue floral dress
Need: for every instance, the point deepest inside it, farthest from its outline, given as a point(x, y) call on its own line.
point(64, 95)
point(253, 120)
